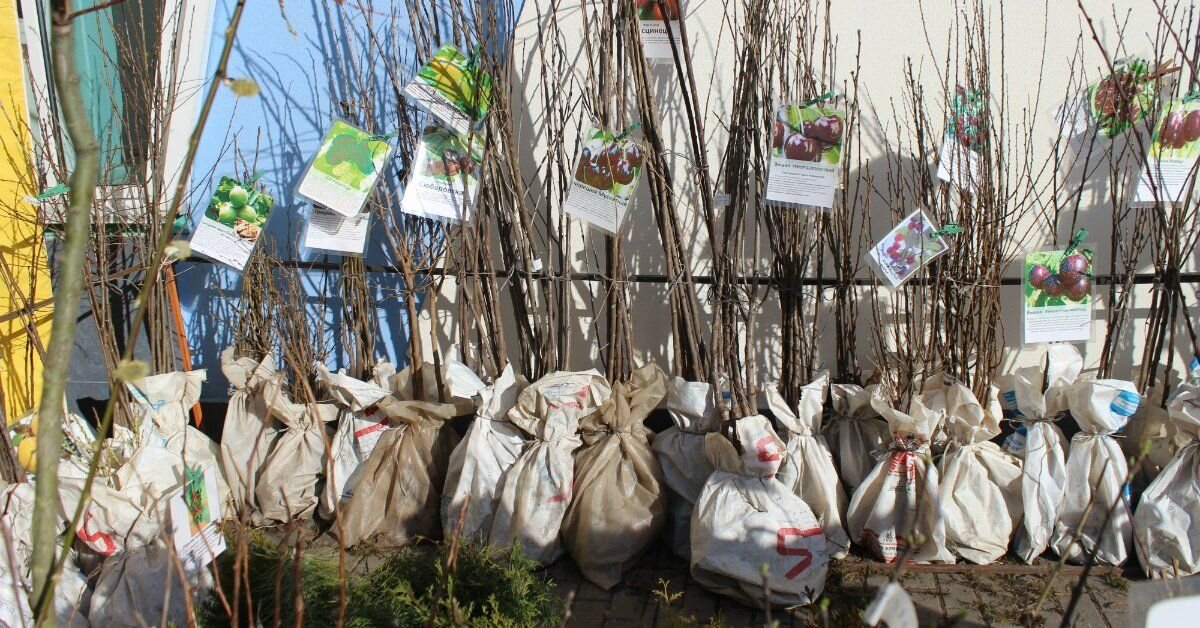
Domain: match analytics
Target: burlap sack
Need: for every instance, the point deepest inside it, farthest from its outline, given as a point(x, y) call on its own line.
point(1096, 467)
point(619, 507)
point(166, 401)
point(290, 478)
point(746, 520)
point(897, 503)
point(360, 425)
point(249, 431)
point(808, 469)
point(537, 489)
point(1165, 520)
point(980, 483)
point(680, 452)
point(132, 590)
point(1040, 443)
point(479, 462)
point(398, 493)
point(856, 433)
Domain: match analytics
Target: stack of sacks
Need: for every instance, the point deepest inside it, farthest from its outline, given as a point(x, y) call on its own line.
point(490, 447)
point(746, 520)
point(895, 509)
point(1165, 520)
point(980, 483)
point(856, 433)
point(360, 425)
point(537, 489)
point(1040, 443)
point(249, 432)
point(680, 453)
point(808, 469)
point(619, 507)
point(1097, 469)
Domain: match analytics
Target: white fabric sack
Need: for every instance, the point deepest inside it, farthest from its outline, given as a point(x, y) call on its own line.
point(1040, 443)
point(289, 480)
point(479, 462)
point(165, 400)
point(459, 384)
point(360, 424)
point(15, 609)
point(134, 588)
point(891, 607)
point(16, 527)
point(619, 507)
point(1096, 466)
point(680, 452)
point(808, 469)
point(897, 502)
point(855, 433)
point(745, 518)
point(537, 489)
point(980, 483)
point(1167, 520)
point(249, 431)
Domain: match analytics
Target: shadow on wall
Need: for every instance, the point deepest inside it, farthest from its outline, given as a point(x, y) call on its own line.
point(299, 60)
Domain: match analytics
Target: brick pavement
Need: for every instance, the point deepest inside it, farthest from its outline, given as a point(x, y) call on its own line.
point(942, 599)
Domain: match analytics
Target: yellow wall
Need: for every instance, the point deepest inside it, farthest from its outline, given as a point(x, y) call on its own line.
point(21, 244)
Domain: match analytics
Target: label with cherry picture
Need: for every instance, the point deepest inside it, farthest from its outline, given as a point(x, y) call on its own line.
point(606, 177)
point(913, 243)
point(959, 156)
point(1173, 153)
point(444, 174)
point(653, 17)
point(1057, 290)
point(806, 150)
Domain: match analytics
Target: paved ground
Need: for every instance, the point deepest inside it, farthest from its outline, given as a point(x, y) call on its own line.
point(942, 599)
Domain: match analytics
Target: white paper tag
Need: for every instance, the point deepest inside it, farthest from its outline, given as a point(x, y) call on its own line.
point(195, 511)
point(958, 164)
point(1072, 116)
point(445, 175)
point(345, 169)
point(333, 232)
point(652, 27)
point(907, 247)
point(721, 200)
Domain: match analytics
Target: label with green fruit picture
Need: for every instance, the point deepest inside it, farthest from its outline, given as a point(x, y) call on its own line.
point(1173, 154)
point(966, 129)
point(232, 223)
point(908, 247)
point(444, 175)
point(606, 176)
point(345, 169)
point(1057, 291)
point(658, 25)
point(806, 150)
point(454, 88)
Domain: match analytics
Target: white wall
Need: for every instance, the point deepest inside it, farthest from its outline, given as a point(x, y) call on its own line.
point(1040, 40)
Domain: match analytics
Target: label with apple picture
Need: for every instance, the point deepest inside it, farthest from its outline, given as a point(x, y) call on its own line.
point(1057, 293)
point(806, 150)
point(959, 156)
point(1173, 155)
point(913, 243)
point(653, 18)
point(606, 177)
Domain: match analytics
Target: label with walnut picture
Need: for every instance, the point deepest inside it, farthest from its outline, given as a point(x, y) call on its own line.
point(806, 149)
point(1173, 155)
point(229, 228)
point(605, 179)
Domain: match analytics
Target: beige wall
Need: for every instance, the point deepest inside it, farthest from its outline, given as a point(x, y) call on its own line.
point(1040, 40)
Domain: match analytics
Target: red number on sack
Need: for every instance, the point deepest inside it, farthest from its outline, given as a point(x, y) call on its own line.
point(805, 555)
point(768, 451)
point(98, 541)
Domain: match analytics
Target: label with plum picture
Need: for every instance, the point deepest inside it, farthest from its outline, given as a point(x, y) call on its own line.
point(1173, 153)
point(653, 18)
point(605, 179)
point(344, 171)
point(806, 148)
point(445, 174)
point(907, 247)
point(1057, 290)
point(230, 226)
point(959, 156)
